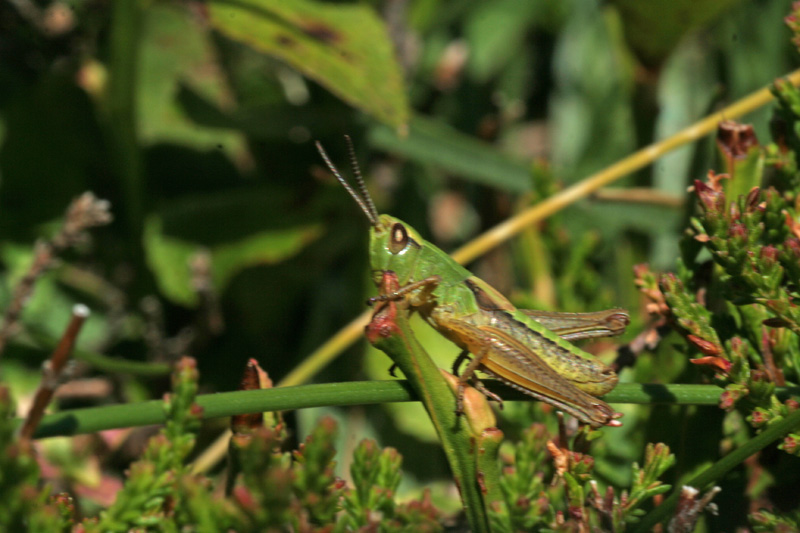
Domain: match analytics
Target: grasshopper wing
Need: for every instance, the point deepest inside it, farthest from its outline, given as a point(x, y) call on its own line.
point(512, 362)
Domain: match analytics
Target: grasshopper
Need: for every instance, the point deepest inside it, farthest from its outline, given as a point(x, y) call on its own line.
point(526, 349)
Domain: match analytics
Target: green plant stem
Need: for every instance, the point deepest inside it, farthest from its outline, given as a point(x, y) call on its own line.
point(720, 468)
point(390, 332)
point(89, 420)
point(126, 22)
point(119, 365)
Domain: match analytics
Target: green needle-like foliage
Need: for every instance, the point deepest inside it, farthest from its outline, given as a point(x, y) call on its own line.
point(522, 481)
point(25, 506)
point(767, 522)
point(282, 491)
point(738, 312)
point(657, 460)
point(159, 493)
point(376, 476)
point(370, 504)
point(556, 491)
point(265, 495)
point(315, 484)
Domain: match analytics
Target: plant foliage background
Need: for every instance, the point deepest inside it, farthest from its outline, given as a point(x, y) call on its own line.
point(230, 241)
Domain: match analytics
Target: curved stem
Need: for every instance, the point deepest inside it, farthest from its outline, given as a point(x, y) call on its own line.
point(89, 420)
point(389, 331)
point(721, 467)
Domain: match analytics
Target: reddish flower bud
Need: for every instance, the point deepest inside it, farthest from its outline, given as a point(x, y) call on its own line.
point(759, 417)
point(588, 462)
point(641, 270)
point(728, 398)
point(705, 346)
point(712, 200)
point(791, 444)
point(523, 503)
point(720, 364)
point(738, 231)
point(793, 245)
point(576, 513)
point(734, 139)
point(792, 404)
point(769, 255)
point(245, 499)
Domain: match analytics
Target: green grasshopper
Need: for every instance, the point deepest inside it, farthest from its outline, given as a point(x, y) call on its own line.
point(525, 349)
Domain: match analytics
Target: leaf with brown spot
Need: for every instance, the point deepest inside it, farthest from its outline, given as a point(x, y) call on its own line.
point(344, 48)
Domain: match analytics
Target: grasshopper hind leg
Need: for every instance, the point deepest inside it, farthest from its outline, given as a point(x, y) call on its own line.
point(470, 375)
point(463, 356)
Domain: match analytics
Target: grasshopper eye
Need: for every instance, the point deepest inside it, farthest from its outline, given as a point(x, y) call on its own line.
point(398, 239)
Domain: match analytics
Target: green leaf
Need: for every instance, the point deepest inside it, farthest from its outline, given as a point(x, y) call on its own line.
point(169, 257)
point(435, 143)
point(495, 32)
point(168, 63)
point(345, 48)
point(654, 28)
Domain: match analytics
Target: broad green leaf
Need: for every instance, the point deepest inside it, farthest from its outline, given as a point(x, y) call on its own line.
point(168, 62)
point(345, 48)
point(496, 32)
point(591, 118)
point(169, 257)
point(686, 89)
point(654, 28)
point(262, 248)
point(435, 143)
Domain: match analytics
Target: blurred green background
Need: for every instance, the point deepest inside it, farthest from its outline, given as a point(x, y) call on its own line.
point(197, 121)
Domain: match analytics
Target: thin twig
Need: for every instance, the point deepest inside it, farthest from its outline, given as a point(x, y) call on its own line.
point(52, 372)
point(84, 212)
point(201, 268)
point(690, 509)
point(639, 195)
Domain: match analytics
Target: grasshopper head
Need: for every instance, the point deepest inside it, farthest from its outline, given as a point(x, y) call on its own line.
point(393, 244)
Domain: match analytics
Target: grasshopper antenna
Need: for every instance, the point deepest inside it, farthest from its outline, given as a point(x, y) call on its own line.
point(359, 179)
point(373, 218)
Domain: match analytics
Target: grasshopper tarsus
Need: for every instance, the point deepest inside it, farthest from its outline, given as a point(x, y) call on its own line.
point(392, 370)
point(486, 392)
point(460, 398)
point(477, 383)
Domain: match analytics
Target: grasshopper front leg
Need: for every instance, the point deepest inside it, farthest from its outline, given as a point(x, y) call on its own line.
point(427, 283)
point(392, 295)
